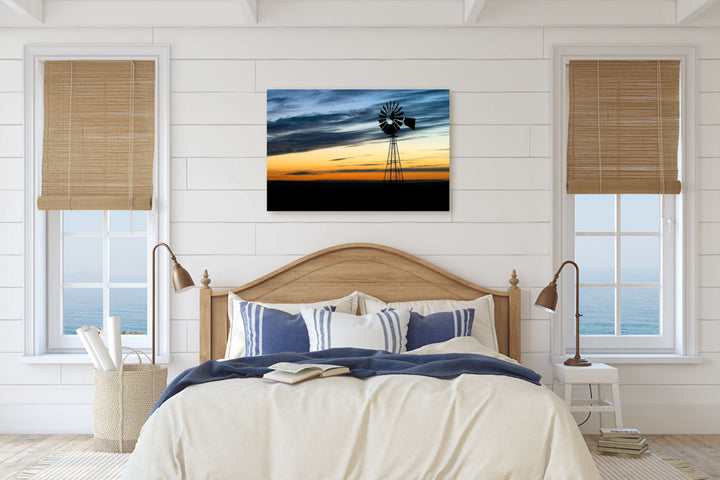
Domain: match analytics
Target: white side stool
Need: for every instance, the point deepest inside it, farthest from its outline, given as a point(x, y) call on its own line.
point(597, 373)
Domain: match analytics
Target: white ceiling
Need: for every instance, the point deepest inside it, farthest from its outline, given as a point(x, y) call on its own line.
point(340, 13)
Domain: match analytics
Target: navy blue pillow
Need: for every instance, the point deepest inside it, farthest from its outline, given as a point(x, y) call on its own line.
point(268, 330)
point(438, 327)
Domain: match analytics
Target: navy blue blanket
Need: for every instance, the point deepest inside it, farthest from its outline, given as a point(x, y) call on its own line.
point(362, 363)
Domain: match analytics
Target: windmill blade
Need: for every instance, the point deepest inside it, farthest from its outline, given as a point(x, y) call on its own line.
point(410, 123)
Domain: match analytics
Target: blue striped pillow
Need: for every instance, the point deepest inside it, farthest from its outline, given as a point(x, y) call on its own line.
point(439, 327)
point(273, 331)
point(377, 331)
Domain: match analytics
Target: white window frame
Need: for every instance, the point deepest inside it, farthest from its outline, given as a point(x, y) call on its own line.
point(37, 279)
point(678, 218)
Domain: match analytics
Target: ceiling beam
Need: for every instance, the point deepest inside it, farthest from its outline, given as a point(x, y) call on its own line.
point(32, 9)
point(249, 10)
point(688, 10)
point(472, 10)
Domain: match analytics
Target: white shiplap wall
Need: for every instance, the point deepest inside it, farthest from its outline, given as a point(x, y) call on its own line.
point(500, 174)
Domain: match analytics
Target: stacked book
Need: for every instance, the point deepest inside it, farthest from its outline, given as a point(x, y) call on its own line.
point(625, 441)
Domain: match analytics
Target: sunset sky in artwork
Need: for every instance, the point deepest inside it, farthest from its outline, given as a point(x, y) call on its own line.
point(335, 135)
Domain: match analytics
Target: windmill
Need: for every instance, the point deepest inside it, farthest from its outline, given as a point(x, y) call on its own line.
point(391, 118)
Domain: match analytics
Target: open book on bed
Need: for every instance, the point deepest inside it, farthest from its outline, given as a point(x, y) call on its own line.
point(292, 373)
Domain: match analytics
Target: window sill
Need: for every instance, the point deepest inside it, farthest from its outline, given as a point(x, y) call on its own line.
point(640, 358)
point(76, 359)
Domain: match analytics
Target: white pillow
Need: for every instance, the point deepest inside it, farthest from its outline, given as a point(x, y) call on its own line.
point(236, 337)
point(377, 331)
point(483, 325)
point(460, 345)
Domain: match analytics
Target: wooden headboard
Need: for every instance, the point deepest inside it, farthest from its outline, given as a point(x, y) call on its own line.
point(383, 272)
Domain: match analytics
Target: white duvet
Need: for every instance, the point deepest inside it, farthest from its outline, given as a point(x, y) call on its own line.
point(383, 427)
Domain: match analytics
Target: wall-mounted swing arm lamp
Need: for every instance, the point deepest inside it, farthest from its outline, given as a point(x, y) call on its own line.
point(181, 281)
point(547, 300)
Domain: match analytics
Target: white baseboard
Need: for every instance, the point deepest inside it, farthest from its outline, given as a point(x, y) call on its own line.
point(46, 419)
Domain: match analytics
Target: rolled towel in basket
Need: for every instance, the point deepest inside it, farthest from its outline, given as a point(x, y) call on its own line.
point(114, 341)
point(98, 347)
point(86, 343)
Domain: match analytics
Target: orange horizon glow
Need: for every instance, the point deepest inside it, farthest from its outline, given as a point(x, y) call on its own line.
point(365, 162)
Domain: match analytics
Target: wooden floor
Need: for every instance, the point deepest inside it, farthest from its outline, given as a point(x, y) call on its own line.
point(19, 451)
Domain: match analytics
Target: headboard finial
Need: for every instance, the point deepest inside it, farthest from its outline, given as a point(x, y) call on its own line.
point(514, 279)
point(205, 280)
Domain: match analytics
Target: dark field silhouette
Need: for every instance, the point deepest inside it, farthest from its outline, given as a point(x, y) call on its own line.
point(324, 195)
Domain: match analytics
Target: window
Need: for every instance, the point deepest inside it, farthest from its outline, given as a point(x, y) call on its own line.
point(85, 265)
point(98, 267)
point(634, 249)
point(625, 247)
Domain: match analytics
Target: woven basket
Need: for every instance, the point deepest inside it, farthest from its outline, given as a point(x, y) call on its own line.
point(123, 402)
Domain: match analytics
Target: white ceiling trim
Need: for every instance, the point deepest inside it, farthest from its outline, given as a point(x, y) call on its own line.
point(358, 13)
point(688, 10)
point(29, 9)
point(249, 10)
point(473, 9)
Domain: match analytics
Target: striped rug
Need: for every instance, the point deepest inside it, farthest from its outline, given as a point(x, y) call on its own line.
point(651, 466)
point(75, 466)
point(110, 466)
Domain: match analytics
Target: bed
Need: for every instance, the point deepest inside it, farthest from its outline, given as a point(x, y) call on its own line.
point(384, 426)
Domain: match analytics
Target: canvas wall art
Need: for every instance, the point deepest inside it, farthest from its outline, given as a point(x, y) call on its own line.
point(356, 150)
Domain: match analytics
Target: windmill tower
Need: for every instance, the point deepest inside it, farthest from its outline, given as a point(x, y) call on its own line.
point(391, 118)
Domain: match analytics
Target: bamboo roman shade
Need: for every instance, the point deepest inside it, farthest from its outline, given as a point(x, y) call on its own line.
point(99, 135)
point(624, 126)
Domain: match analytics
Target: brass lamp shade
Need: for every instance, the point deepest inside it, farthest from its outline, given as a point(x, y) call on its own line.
point(548, 298)
point(181, 279)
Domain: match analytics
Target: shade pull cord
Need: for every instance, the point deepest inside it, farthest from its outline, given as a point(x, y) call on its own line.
point(597, 79)
point(660, 129)
point(69, 163)
point(132, 137)
point(571, 114)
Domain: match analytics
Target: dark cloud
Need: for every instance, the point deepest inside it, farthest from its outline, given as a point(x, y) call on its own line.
point(304, 141)
point(405, 169)
point(298, 131)
point(368, 170)
point(347, 158)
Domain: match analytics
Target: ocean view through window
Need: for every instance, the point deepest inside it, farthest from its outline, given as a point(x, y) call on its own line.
point(104, 269)
point(618, 245)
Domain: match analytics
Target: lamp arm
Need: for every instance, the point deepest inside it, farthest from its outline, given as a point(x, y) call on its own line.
point(577, 283)
point(577, 357)
point(162, 244)
point(172, 255)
